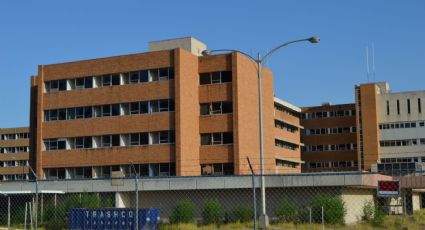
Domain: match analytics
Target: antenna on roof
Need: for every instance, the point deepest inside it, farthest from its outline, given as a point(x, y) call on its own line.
point(373, 62)
point(367, 63)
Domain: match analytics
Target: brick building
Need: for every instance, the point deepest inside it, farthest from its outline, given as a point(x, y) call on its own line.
point(382, 131)
point(14, 153)
point(168, 111)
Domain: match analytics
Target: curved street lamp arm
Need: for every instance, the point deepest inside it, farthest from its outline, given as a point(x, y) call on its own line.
point(280, 46)
point(231, 50)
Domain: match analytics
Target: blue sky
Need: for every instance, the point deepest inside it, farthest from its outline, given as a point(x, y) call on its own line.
point(45, 32)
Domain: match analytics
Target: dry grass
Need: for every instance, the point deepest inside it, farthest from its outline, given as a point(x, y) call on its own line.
point(413, 222)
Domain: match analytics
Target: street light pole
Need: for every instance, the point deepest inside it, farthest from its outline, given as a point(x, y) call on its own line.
point(264, 220)
point(36, 197)
point(137, 194)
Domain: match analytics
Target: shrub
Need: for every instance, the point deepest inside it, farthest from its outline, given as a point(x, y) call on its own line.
point(183, 212)
point(240, 214)
point(368, 211)
point(334, 209)
point(286, 211)
point(378, 216)
point(212, 212)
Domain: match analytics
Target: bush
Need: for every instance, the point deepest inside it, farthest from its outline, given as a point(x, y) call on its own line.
point(183, 212)
point(212, 212)
point(378, 216)
point(334, 209)
point(368, 211)
point(240, 214)
point(286, 211)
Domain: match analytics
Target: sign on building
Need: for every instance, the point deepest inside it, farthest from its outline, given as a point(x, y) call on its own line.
point(388, 188)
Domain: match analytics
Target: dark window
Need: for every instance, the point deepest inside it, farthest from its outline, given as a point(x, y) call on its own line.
point(171, 73)
point(206, 139)
point(144, 138)
point(163, 105)
point(164, 137)
point(62, 114)
point(79, 83)
point(88, 82)
point(79, 112)
point(70, 113)
point(408, 106)
point(61, 144)
point(154, 106)
point(115, 109)
point(144, 107)
point(226, 76)
point(153, 73)
point(88, 112)
point(134, 108)
point(62, 85)
point(115, 140)
point(205, 78)
point(88, 142)
point(216, 77)
point(134, 139)
point(106, 110)
point(419, 106)
point(388, 107)
point(53, 114)
point(163, 74)
point(227, 138)
point(79, 142)
point(115, 79)
point(398, 107)
point(205, 109)
point(106, 80)
point(106, 141)
point(134, 77)
point(54, 85)
point(227, 107)
point(144, 76)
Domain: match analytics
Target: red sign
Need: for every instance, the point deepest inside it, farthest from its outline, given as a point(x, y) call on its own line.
point(388, 188)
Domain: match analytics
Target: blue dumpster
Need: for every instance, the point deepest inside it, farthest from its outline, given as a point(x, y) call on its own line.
point(112, 218)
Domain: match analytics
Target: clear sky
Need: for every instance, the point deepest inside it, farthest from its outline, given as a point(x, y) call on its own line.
point(45, 32)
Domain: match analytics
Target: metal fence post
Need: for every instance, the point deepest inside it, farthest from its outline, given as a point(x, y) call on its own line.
point(254, 200)
point(323, 218)
point(309, 210)
point(8, 212)
point(25, 216)
point(137, 194)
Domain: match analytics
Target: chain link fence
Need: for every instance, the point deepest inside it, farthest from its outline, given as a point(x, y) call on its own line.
point(298, 201)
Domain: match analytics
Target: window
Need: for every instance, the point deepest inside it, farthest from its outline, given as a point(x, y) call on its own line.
point(216, 108)
point(116, 79)
point(106, 80)
point(144, 107)
point(134, 77)
point(70, 114)
point(419, 106)
point(55, 144)
point(106, 110)
point(62, 114)
point(62, 85)
point(106, 141)
point(134, 108)
point(408, 106)
point(88, 112)
point(135, 139)
point(398, 107)
point(388, 107)
point(215, 77)
point(88, 82)
point(154, 106)
point(115, 109)
point(79, 112)
point(115, 140)
point(80, 83)
point(217, 138)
